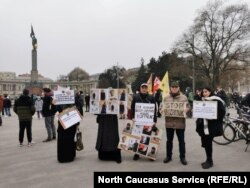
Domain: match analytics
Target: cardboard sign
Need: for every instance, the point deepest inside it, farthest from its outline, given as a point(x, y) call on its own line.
point(69, 117)
point(174, 109)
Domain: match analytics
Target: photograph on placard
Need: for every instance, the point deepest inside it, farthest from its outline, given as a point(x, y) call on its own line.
point(152, 150)
point(103, 94)
point(112, 107)
point(137, 129)
point(94, 94)
point(122, 109)
point(103, 107)
point(128, 128)
point(144, 139)
point(94, 107)
point(142, 149)
point(112, 94)
point(122, 94)
point(156, 136)
point(133, 144)
point(147, 129)
point(124, 142)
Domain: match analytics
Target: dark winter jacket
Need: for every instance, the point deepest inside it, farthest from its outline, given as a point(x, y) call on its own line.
point(49, 109)
point(24, 108)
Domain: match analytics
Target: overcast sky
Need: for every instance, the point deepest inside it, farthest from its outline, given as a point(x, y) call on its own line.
point(91, 34)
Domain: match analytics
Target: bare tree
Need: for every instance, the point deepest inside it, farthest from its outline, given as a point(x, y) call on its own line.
point(218, 38)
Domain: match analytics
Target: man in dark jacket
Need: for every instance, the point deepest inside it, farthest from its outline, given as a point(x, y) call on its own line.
point(49, 111)
point(25, 109)
point(143, 97)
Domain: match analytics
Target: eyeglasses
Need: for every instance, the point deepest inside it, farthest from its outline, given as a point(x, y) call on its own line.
point(174, 86)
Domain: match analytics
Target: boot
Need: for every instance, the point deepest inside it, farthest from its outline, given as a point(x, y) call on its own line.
point(207, 164)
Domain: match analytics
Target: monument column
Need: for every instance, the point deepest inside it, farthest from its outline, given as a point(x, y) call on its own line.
point(34, 72)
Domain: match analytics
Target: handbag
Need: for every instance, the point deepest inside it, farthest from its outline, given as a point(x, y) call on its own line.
point(79, 143)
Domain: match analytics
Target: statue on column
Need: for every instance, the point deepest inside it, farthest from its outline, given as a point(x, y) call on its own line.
point(34, 40)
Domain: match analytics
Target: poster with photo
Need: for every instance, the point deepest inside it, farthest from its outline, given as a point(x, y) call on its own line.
point(174, 109)
point(107, 101)
point(64, 97)
point(141, 139)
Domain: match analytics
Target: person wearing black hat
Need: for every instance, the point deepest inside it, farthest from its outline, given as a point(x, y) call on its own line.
point(175, 124)
point(143, 97)
point(25, 109)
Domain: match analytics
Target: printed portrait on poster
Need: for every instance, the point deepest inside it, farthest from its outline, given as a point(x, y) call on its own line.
point(152, 151)
point(112, 94)
point(94, 107)
point(133, 144)
point(122, 94)
point(142, 149)
point(94, 94)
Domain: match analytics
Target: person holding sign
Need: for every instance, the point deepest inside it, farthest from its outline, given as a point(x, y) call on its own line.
point(174, 122)
point(210, 128)
point(143, 97)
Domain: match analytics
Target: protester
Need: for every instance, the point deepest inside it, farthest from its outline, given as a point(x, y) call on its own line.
point(87, 99)
point(108, 138)
point(25, 109)
point(49, 111)
point(39, 106)
point(66, 145)
point(1, 109)
point(175, 124)
point(210, 128)
point(143, 97)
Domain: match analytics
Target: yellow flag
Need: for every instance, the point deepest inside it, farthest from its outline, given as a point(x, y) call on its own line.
point(149, 82)
point(165, 85)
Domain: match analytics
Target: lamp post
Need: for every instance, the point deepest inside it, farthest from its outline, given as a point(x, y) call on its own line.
point(193, 67)
point(117, 75)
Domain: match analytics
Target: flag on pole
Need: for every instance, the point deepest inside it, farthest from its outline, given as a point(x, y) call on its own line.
point(157, 83)
point(149, 82)
point(164, 86)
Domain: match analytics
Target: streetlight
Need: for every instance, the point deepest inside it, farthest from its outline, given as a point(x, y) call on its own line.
point(117, 75)
point(193, 67)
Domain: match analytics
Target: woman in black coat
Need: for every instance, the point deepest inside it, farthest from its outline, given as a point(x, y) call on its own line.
point(66, 145)
point(210, 128)
point(108, 138)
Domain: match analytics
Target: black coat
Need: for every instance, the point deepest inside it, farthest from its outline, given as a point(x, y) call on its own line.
point(108, 134)
point(215, 126)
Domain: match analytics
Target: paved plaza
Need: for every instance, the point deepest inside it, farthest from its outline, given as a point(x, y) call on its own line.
point(37, 166)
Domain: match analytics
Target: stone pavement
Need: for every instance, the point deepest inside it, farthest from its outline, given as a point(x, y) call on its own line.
point(37, 166)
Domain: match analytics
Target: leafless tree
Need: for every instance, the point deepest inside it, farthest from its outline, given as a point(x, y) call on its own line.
point(218, 38)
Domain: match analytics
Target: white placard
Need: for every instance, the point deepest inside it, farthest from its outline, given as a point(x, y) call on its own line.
point(205, 109)
point(144, 112)
point(64, 97)
point(69, 117)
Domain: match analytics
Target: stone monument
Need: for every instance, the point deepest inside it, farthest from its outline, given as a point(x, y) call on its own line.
point(35, 87)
